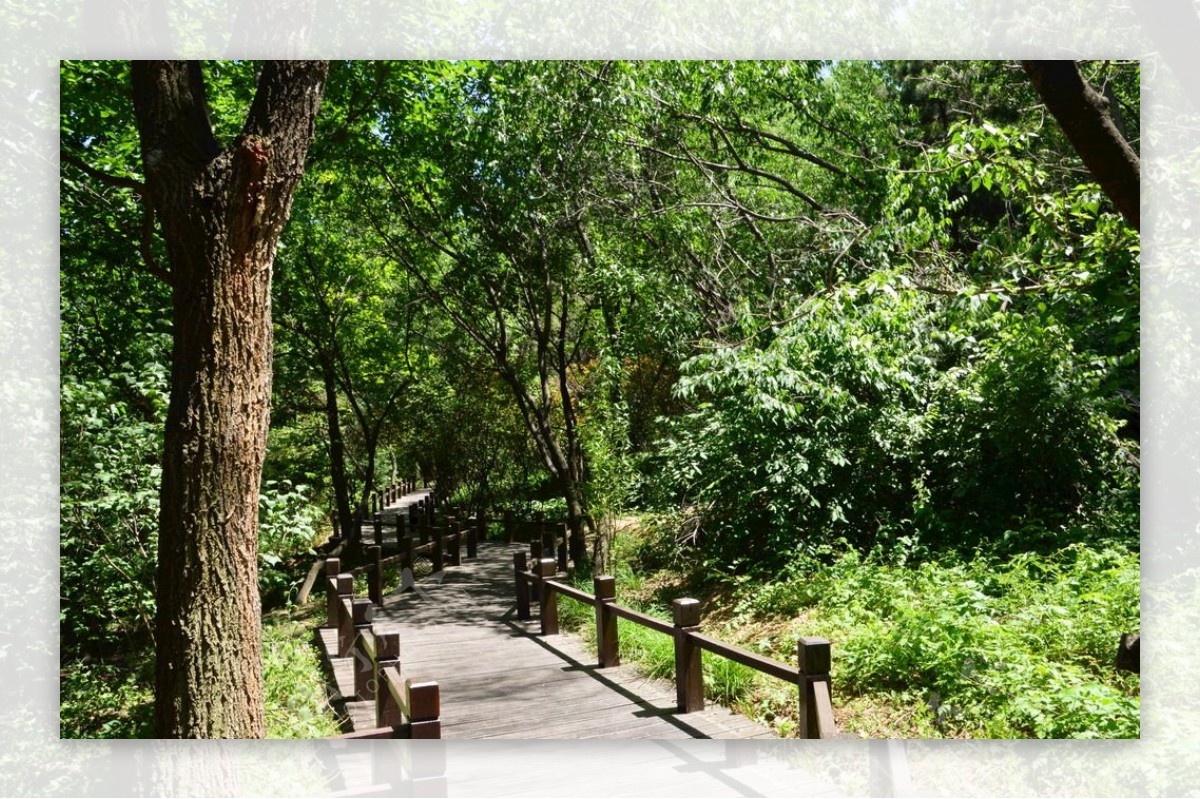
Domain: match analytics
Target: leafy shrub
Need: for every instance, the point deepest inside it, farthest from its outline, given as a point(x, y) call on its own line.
point(106, 700)
point(288, 525)
point(109, 507)
point(882, 413)
point(1018, 432)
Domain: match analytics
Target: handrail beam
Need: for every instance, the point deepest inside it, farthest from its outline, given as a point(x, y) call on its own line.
point(745, 657)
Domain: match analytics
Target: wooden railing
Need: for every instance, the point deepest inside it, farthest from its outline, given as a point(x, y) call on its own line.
point(404, 707)
point(370, 512)
point(535, 582)
point(443, 546)
point(545, 538)
point(376, 655)
point(409, 519)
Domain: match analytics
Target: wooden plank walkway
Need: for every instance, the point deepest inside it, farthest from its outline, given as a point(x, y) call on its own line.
point(500, 678)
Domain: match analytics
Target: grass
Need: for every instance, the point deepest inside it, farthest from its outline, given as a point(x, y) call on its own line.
point(949, 647)
point(653, 653)
point(296, 704)
point(975, 648)
point(115, 699)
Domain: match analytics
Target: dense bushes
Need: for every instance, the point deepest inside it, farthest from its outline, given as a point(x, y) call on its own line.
point(109, 508)
point(883, 411)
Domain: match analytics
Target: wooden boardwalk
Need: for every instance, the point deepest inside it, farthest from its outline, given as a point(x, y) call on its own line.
point(500, 678)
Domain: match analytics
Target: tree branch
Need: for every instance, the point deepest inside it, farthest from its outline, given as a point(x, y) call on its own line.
point(146, 241)
point(1084, 116)
point(118, 181)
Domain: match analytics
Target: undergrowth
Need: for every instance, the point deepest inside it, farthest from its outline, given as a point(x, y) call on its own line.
point(114, 699)
point(294, 685)
point(653, 653)
point(953, 646)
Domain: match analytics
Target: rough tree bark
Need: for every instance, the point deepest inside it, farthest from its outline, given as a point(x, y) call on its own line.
point(222, 211)
point(1084, 116)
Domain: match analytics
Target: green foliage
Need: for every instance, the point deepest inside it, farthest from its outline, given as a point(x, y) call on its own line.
point(1021, 432)
point(882, 411)
point(109, 508)
point(604, 433)
point(297, 705)
point(288, 525)
point(727, 682)
point(106, 700)
point(982, 647)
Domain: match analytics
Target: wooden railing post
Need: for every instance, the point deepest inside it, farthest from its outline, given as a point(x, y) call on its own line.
point(606, 621)
point(816, 710)
point(387, 656)
point(519, 568)
point(332, 567)
point(375, 574)
point(546, 535)
point(548, 600)
point(363, 664)
point(455, 552)
point(439, 546)
point(345, 591)
point(473, 536)
point(560, 532)
point(406, 546)
point(689, 674)
point(424, 708)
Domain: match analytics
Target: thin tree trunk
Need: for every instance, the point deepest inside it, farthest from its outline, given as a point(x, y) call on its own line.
point(337, 453)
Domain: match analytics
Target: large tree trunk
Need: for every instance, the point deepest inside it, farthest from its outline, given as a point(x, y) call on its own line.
point(222, 212)
point(1084, 116)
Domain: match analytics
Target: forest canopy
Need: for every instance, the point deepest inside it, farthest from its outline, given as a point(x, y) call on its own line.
point(784, 309)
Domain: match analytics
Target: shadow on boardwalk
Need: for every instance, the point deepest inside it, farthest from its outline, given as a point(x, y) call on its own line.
point(500, 679)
